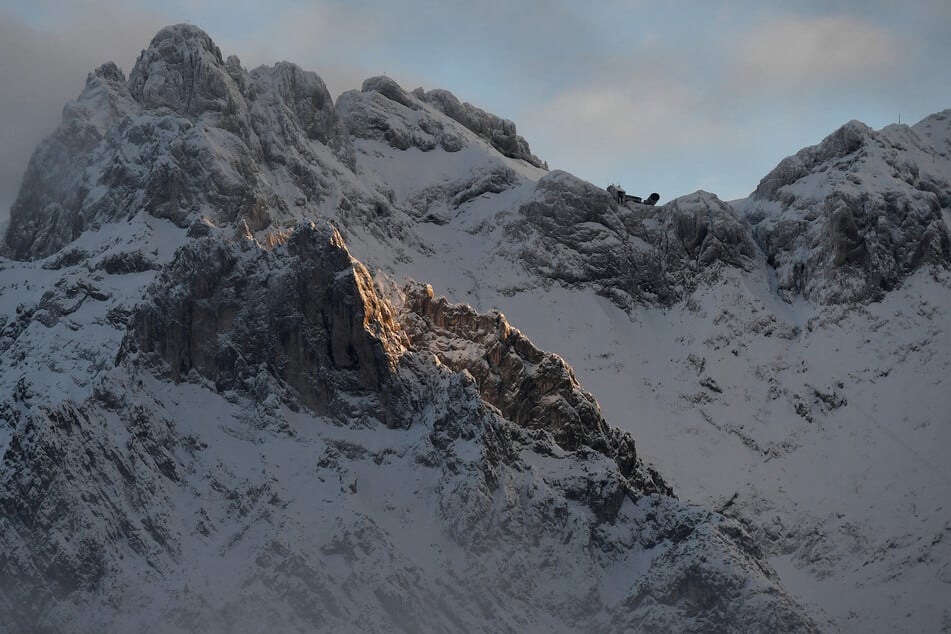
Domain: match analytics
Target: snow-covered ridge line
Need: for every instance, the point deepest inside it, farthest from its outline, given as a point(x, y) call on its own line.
point(191, 134)
point(782, 359)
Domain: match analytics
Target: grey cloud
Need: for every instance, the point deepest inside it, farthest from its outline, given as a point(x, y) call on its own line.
point(42, 70)
point(792, 52)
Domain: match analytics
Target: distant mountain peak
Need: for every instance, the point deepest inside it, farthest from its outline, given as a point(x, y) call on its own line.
point(850, 218)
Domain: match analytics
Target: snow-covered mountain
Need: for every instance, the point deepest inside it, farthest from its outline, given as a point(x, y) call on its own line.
point(214, 417)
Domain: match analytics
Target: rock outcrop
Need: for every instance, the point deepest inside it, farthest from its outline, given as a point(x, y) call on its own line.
point(499, 132)
point(576, 233)
point(383, 111)
point(531, 388)
point(341, 464)
point(849, 219)
point(303, 312)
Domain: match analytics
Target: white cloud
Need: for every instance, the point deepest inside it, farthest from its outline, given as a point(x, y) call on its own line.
point(792, 51)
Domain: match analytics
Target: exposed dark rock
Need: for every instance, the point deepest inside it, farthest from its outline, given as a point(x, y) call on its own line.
point(576, 233)
point(304, 312)
point(126, 262)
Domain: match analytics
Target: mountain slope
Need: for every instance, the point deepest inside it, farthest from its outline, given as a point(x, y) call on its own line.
point(781, 359)
point(272, 448)
point(214, 418)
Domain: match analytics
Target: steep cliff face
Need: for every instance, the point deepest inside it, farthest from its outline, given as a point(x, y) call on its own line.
point(277, 445)
point(304, 312)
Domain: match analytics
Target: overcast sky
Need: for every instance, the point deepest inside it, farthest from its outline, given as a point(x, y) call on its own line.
point(659, 95)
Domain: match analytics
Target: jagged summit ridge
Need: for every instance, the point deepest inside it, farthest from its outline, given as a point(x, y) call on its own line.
point(191, 134)
point(501, 133)
point(187, 135)
point(850, 218)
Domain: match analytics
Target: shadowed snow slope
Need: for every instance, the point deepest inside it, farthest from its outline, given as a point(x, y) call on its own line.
point(272, 449)
point(213, 417)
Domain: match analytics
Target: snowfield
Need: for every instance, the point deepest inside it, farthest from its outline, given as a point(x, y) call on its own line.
point(214, 417)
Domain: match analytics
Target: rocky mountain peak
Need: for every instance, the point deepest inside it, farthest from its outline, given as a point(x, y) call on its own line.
point(304, 310)
point(182, 69)
point(110, 73)
point(391, 90)
point(850, 218)
point(383, 110)
point(936, 129)
point(845, 141)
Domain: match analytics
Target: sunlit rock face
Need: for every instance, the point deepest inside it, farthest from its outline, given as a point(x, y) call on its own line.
point(532, 388)
point(300, 452)
point(198, 375)
point(304, 312)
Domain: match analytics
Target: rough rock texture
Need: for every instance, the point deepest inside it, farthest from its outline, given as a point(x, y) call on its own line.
point(383, 111)
point(47, 212)
point(191, 135)
point(850, 218)
point(494, 129)
point(433, 168)
point(304, 312)
point(576, 233)
point(531, 388)
point(188, 135)
point(455, 467)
